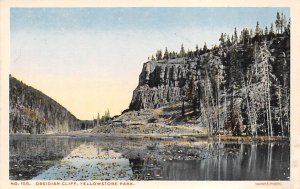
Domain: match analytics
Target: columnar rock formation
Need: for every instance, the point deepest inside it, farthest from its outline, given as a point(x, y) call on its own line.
point(162, 82)
point(242, 85)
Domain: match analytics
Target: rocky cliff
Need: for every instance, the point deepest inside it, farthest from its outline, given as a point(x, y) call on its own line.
point(162, 82)
point(31, 111)
point(244, 85)
point(165, 81)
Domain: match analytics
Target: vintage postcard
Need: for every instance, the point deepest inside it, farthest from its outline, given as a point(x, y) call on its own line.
point(131, 95)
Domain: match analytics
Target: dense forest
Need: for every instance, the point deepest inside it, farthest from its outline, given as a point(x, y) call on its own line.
point(31, 111)
point(240, 86)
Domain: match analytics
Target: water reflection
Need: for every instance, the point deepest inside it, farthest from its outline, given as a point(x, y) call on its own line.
point(65, 158)
point(29, 155)
point(89, 162)
point(234, 162)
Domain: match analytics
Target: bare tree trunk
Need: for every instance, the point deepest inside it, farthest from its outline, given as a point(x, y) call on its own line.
point(209, 108)
point(280, 111)
point(269, 101)
point(225, 109)
point(205, 109)
point(218, 103)
point(248, 106)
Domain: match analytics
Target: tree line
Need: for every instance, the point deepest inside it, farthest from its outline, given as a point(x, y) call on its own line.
point(247, 36)
point(246, 90)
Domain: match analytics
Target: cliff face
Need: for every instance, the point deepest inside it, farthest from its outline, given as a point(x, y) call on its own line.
point(31, 111)
point(165, 81)
point(243, 87)
point(162, 82)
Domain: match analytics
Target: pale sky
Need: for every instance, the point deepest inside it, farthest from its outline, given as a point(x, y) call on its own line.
point(89, 59)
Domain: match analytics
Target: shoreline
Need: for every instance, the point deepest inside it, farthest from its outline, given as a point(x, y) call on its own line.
point(187, 137)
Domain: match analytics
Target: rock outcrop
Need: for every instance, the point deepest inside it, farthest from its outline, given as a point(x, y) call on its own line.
point(163, 82)
point(244, 81)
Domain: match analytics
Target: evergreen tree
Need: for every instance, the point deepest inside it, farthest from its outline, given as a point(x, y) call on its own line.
point(197, 51)
point(158, 55)
point(204, 50)
point(287, 31)
point(182, 51)
point(283, 23)
point(166, 55)
point(257, 29)
point(152, 58)
point(266, 31)
point(228, 42)
point(258, 33)
point(171, 55)
point(271, 31)
point(245, 36)
point(222, 40)
point(277, 23)
point(174, 54)
point(251, 36)
point(235, 37)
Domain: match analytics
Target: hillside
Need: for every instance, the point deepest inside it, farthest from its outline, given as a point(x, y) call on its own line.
point(31, 111)
point(238, 88)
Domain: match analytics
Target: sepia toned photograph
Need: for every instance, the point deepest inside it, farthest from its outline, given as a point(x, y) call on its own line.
point(149, 94)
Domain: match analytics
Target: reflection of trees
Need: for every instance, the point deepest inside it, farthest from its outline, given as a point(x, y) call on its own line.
point(137, 165)
point(269, 159)
point(158, 161)
point(41, 148)
point(234, 162)
point(30, 155)
point(224, 161)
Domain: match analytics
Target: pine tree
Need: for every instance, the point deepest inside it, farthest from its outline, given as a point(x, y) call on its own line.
point(235, 37)
point(152, 58)
point(257, 29)
point(197, 51)
point(271, 31)
point(251, 36)
point(222, 40)
point(287, 31)
point(258, 33)
point(228, 42)
point(182, 51)
point(158, 55)
point(171, 55)
point(204, 50)
point(174, 54)
point(277, 23)
point(266, 31)
point(282, 23)
point(166, 55)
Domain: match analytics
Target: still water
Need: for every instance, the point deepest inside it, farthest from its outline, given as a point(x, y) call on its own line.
point(72, 158)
